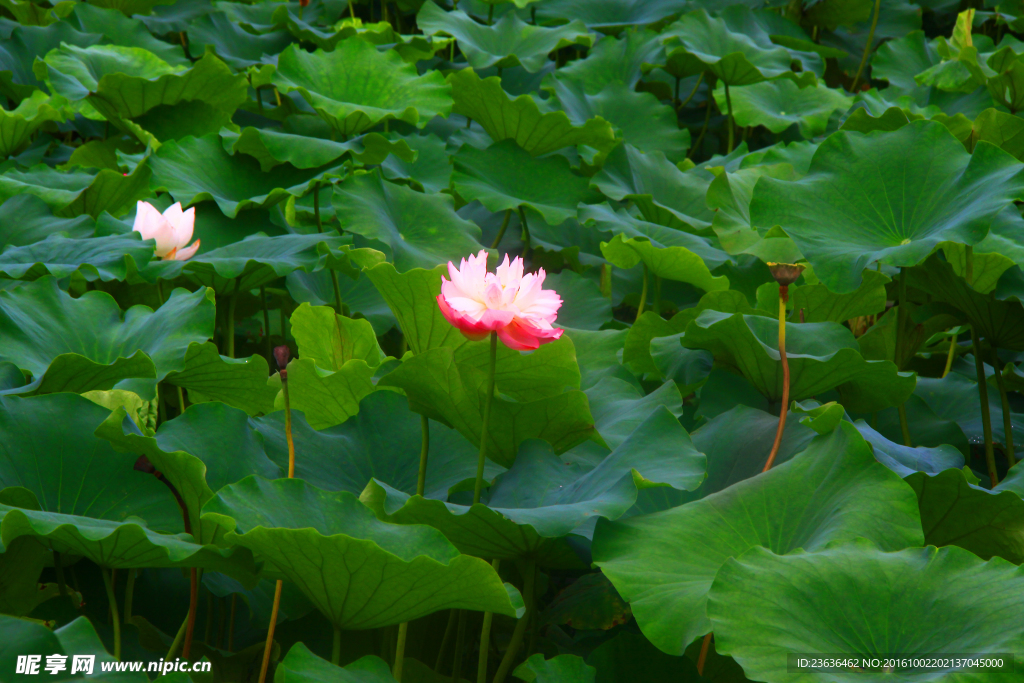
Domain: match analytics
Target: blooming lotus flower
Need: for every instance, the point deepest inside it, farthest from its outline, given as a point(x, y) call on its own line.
point(172, 230)
point(507, 302)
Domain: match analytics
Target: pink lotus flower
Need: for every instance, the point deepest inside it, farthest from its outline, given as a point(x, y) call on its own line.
point(507, 302)
point(172, 230)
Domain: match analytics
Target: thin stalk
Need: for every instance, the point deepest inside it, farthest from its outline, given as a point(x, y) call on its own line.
point(129, 594)
point(460, 642)
point(421, 480)
point(266, 324)
point(230, 323)
point(485, 638)
point(867, 47)
point(270, 631)
point(526, 231)
point(59, 568)
point(901, 322)
point(351, 9)
point(950, 356)
point(320, 229)
point(482, 458)
point(490, 16)
point(445, 639)
point(606, 280)
point(193, 605)
point(1007, 418)
point(703, 130)
point(529, 579)
point(336, 647)
point(403, 631)
point(703, 658)
point(501, 232)
point(784, 411)
point(693, 92)
point(181, 399)
point(643, 297)
point(176, 643)
point(986, 417)
point(231, 622)
point(732, 133)
point(160, 291)
point(113, 611)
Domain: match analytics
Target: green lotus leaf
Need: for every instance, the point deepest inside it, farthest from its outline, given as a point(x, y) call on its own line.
point(130, 7)
point(1000, 251)
point(897, 603)
point(229, 41)
point(815, 303)
point(1002, 130)
point(629, 654)
point(779, 104)
point(30, 14)
point(622, 59)
point(609, 16)
point(254, 261)
point(104, 258)
point(132, 84)
point(377, 86)
point(521, 119)
point(77, 192)
point(273, 148)
point(106, 348)
point(583, 305)
point(238, 382)
point(588, 603)
point(80, 513)
point(420, 230)
point(734, 58)
point(193, 169)
point(832, 491)
point(505, 177)
point(359, 572)
point(638, 117)
point(189, 452)
point(302, 666)
point(904, 460)
point(664, 194)
point(430, 171)
point(117, 29)
point(561, 497)
point(24, 44)
point(17, 125)
point(619, 407)
point(26, 219)
point(452, 393)
point(507, 43)
point(671, 263)
point(327, 397)
point(822, 356)
point(558, 669)
point(331, 340)
point(867, 200)
point(382, 441)
point(21, 567)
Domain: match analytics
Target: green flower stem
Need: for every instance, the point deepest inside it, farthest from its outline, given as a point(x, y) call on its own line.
point(160, 291)
point(231, 622)
point(488, 399)
point(1007, 418)
point(460, 642)
point(113, 611)
point(606, 280)
point(501, 232)
point(320, 229)
point(729, 121)
point(129, 593)
point(529, 580)
point(266, 325)
point(230, 322)
point(421, 480)
point(445, 639)
point(485, 638)
point(403, 631)
point(270, 631)
point(867, 47)
point(351, 9)
point(643, 297)
point(526, 231)
point(700, 79)
point(703, 130)
point(490, 16)
point(181, 400)
point(986, 417)
point(901, 320)
point(784, 410)
point(950, 356)
point(176, 643)
point(336, 647)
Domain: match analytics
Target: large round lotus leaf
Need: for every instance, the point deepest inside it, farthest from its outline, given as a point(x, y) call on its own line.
point(904, 460)
point(238, 382)
point(735, 58)
point(236, 46)
point(356, 87)
point(421, 230)
point(955, 398)
point(611, 60)
point(104, 258)
point(24, 44)
point(272, 148)
point(521, 119)
point(639, 118)
point(25, 219)
point(987, 522)
point(664, 563)
point(76, 192)
point(302, 666)
point(117, 520)
point(359, 572)
point(610, 15)
point(664, 194)
point(671, 263)
point(542, 498)
point(856, 599)
point(822, 356)
point(430, 171)
point(779, 104)
point(117, 29)
point(505, 177)
point(105, 347)
point(508, 42)
point(194, 169)
point(889, 198)
point(18, 124)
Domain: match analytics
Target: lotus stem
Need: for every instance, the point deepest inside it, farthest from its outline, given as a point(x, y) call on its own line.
point(950, 356)
point(193, 606)
point(526, 231)
point(1007, 417)
point(643, 298)
point(231, 623)
point(986, 417)
point(703, 130)
point(160, 291)
point(129, 594)
point(700, 79)
point(867, 47)
point(320, 229)
point(490, 16)
point(351, 10)
point(270, 631)
point(485, 637)
point(336, 647)
point(445, 640)
point(729, 123)
point(181, 400)
point(529, 580)
point(703, 658)
point(606, 280)
point(488, 399)
point(266, 323)
point(112, 598)
point(784, 410)
point(900, 352)
point(59, 569)
point(230, 322)
point(180, 636)
point(460, 641)
point(501, 232)
point(403, 630)
point(421, 480)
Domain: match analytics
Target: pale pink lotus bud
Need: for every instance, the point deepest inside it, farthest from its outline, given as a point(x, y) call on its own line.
point(507, 302)
point(172, 230)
